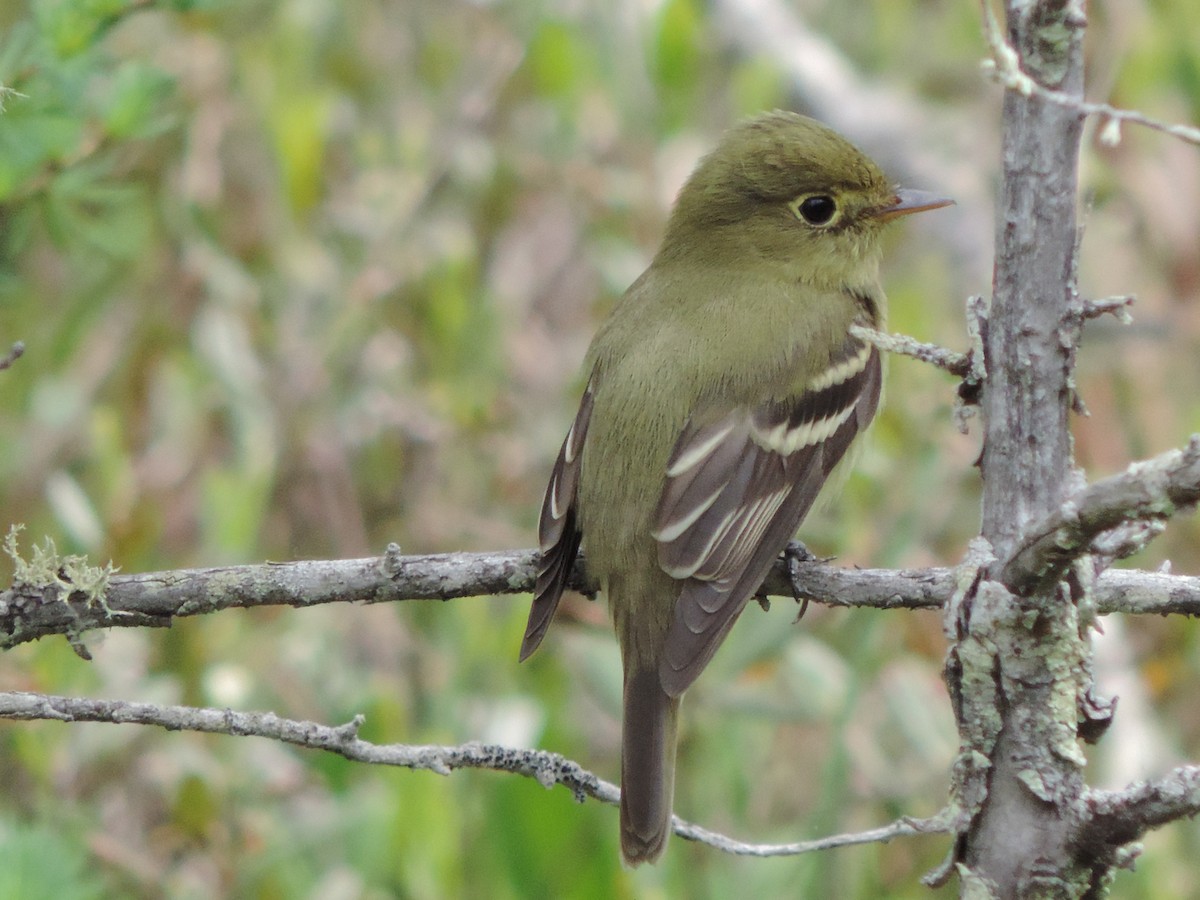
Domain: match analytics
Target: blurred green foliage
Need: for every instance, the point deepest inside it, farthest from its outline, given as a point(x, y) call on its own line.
point(300, 279)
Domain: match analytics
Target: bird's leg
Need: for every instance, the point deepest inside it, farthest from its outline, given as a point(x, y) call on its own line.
point(795, 553)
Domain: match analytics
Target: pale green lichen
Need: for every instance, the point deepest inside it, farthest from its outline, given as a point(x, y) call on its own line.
point(1033, 780)
point(974, 886)
point(1052, 32)
point(67, 574)
point(970, 785)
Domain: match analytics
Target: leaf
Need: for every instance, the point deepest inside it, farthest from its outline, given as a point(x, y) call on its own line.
point(133, 107)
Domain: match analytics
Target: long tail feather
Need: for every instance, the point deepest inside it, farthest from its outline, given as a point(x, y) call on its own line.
point(647, 766)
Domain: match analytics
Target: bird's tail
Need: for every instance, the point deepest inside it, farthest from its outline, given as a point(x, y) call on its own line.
point(647, 765)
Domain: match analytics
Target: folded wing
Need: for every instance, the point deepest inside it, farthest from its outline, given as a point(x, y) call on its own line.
point(558, 529)
point(736, 491)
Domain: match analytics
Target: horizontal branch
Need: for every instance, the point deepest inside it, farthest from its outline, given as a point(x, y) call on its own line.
point(1005, 68)
point(1115, 818)
point(966, 366)
point(155, 599)
point(548, 769)
point(1148, 491)
point(1116, 306)
point(1110, 134)
point(957, 364)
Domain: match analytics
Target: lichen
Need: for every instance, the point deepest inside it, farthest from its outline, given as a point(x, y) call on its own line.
point(66, 574)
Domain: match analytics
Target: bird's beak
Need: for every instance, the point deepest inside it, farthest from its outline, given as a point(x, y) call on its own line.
point(908, 202)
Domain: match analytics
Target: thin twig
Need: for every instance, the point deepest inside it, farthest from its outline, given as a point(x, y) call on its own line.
point(1109, 306)
point(957, 364)
point(905, 827)
point(548, 769)
point(14, 353)
point(1004, 67)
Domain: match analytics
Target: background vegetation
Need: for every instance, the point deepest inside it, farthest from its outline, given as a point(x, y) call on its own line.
point(298, 279)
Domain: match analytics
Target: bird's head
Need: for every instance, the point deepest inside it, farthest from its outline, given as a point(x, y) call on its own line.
point(785, 189)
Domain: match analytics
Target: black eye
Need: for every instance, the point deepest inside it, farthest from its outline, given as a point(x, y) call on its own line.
point(817, 210)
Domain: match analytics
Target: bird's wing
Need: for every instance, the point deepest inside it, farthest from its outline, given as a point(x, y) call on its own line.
point(736, 491)
point(558, 529)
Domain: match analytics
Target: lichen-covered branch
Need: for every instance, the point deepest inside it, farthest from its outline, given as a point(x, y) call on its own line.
point(1020, 666)
point(1152, 490)
point(156, 599)
point(1119, 817)
point(548, 769)
point(957, 364)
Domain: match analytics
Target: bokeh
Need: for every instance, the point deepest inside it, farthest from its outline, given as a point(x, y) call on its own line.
point(300, 279)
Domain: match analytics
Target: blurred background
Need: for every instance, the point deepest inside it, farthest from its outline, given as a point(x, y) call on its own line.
point(297, 279)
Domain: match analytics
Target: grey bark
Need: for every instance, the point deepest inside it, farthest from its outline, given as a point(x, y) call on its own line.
point(1020, 668)
point(32, 611)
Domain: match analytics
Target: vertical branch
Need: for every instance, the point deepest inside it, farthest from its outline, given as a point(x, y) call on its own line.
point(1027, 447)
point(1020, 669)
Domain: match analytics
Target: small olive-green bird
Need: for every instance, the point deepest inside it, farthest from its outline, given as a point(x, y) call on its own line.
point(722, 391)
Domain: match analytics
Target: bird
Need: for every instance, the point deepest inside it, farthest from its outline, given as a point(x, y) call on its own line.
point(722, 391)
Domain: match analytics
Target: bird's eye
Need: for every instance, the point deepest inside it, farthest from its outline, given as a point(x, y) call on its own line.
point(815, 209)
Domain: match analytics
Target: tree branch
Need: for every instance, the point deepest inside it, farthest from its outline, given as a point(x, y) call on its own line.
point(1020, 672)
point(548, 769)
point(156, 599)
point(957, 364)
point(1117, 306)
point(14, 352)
point(1118, 817)
point(1005, 68)
point(1151, 490)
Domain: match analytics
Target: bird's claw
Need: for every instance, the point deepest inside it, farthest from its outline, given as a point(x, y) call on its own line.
point(794, 554)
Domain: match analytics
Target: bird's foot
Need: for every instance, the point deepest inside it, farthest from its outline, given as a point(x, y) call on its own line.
point(794, 554)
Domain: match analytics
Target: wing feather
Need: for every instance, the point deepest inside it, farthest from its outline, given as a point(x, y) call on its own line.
point(737, 490)
point(558, 529)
